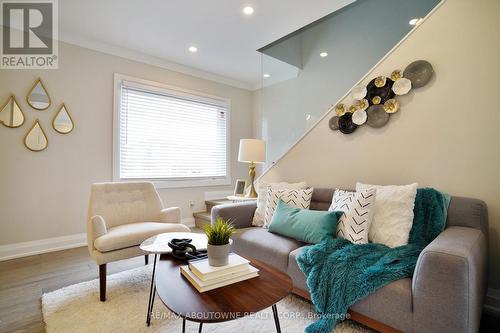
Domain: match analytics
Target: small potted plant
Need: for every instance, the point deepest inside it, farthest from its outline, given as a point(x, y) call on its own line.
point(219, 241)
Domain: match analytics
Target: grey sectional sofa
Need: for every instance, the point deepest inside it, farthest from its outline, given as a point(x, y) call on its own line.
point(445, 294)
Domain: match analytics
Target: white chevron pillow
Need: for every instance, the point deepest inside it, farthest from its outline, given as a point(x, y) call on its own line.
point(262, 189)
point(295, 198)
point(354, 224)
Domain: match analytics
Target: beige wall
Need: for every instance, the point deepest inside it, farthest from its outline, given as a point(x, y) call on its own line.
point(447, 133)
point(45, 194)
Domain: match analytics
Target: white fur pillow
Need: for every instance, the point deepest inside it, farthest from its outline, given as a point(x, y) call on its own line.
point(358, 208)
point(295, 198)
point(393, 215)
point(258, 217)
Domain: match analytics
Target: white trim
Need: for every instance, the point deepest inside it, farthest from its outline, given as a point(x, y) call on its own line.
point(165, 89)
point(125, 53)
point(188, 222)
point(492, 301)
point(320, 119)
point(118, 79)
point(24, 249)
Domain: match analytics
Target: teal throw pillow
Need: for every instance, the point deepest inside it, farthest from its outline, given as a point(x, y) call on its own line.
point(305, 225)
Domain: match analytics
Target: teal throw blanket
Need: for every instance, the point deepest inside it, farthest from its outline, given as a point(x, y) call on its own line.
point(339, 273)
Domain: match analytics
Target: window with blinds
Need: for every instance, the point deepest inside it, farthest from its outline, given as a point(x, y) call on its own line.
point(171, 135)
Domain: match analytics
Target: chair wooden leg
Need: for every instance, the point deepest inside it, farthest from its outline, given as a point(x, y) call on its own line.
point(102, 282)
point(146, 259)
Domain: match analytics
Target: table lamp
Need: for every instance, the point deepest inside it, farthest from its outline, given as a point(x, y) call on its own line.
point(252, 151)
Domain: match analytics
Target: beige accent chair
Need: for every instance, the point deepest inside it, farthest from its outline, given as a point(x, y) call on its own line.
point(121, 216)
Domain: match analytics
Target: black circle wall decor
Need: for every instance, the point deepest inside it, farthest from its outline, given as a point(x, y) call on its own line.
point(346, 125)
point(419, 73)
point(385, 92)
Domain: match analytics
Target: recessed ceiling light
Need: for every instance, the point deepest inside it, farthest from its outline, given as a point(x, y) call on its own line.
point(193, 49)
point(323, 54)
point(414, 21)
point(267, 75)
point(248, 10)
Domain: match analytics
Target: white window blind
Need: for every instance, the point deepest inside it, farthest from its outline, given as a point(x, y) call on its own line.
point(169, 135)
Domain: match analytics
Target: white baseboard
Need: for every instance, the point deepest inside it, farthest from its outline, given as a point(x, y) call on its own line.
point(492, 302)
point(24, 249)
point(188, 221)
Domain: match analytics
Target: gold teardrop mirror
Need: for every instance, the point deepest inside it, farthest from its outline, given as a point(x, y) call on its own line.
point(38, 97)
point(11, 114)
point(62, 122)
point(35, 139)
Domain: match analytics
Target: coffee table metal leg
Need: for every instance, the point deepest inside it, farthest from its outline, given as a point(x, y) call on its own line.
point(152, 291)
point(201, 326)
point(276, 318)
point(152, 302)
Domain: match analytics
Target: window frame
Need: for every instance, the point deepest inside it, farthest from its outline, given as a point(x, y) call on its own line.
point(176, 91)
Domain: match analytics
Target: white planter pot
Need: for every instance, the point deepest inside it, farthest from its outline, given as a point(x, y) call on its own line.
point(218, 255)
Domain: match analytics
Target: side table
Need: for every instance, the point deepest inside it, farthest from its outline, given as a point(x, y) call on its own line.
point(159, 245)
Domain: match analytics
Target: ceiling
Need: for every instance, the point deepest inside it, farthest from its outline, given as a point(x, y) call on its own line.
point(161, 31)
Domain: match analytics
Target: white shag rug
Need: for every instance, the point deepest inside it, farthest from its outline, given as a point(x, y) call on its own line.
point(77, 308)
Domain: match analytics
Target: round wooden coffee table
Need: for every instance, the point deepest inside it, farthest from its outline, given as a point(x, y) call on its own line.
point(221, 304)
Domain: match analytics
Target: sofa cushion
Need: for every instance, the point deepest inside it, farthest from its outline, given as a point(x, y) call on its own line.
point(390, 304)
point(134, 234)
point(393, 215)
point(293, 270)
point(262, 245)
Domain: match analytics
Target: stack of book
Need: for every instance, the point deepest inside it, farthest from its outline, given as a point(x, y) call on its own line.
point(205, 277)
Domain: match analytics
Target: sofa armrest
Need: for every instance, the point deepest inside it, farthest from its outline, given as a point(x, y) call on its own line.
point(450, 282)
point(170, 215)
point(468, 212)
point(240, 214)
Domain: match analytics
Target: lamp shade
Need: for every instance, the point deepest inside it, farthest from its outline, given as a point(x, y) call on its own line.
point(252, 150)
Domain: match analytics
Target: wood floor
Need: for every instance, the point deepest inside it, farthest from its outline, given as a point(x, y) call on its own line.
point(24, 280)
